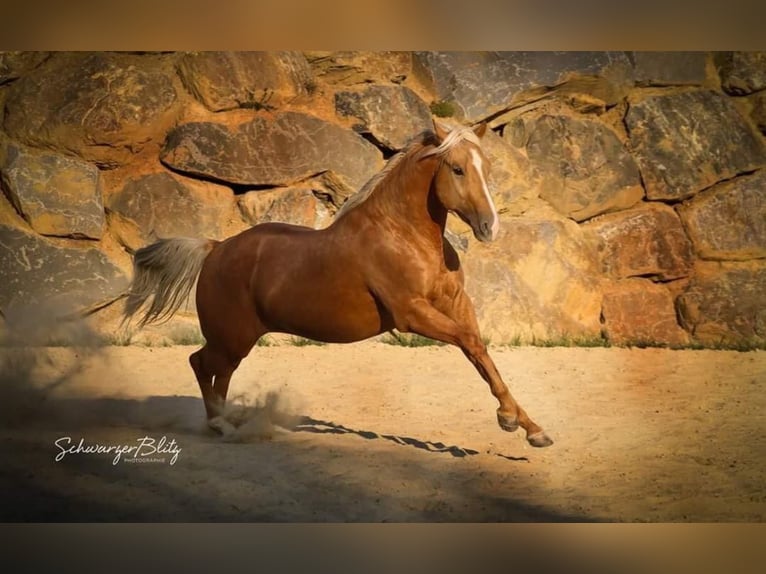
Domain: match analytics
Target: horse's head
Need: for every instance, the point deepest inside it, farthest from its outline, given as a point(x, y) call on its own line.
point(460, 182)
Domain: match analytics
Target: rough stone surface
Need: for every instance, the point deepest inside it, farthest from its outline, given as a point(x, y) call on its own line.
point(56, 194)
point(742, 72)
point(688, 141)
point(758, 111)
point(354, 68)
point(636, 311)
point(726, 303)
point(37, 270)
point(511, 181)
point(647, 241)
point(296, 205)
point(728, 221)
point(669, 68)
point(158, 205)
point(9, 216)
point(227, 80)
point(280, 151)
point(584, 168)
point(484, 83)
point(392, 115)
point(13, 65)
point(101, 106)
point(538, 280)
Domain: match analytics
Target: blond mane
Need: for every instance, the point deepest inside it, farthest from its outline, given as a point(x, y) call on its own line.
point(422, 140)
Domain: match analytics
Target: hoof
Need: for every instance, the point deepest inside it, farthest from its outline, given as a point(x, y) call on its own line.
point(539, 439)
point(221, 426)
point(507, 423)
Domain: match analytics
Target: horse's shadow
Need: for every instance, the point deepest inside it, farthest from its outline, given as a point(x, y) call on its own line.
point(309, 424)
point(180, 414)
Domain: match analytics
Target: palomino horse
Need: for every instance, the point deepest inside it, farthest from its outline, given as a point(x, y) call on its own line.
point(382, 264)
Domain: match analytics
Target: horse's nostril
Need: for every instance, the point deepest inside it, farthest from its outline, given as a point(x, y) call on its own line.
point(484, 227)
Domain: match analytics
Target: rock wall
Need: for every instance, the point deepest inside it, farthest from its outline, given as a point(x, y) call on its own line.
point(631, 186)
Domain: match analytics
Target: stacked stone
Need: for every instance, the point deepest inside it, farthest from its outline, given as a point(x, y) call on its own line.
point(630, 185)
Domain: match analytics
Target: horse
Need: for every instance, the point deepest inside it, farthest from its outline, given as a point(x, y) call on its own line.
point(382, 264)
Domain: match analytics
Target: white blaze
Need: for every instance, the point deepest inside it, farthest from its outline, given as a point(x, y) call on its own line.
point(476, 160)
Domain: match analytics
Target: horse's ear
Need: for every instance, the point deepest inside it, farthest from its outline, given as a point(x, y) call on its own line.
point(440, 131)
point(480, 130)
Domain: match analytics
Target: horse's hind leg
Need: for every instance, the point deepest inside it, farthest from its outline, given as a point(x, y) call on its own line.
point(213, 370)
point(205, 381)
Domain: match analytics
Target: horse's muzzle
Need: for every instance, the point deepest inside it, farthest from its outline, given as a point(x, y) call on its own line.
point(486, 230)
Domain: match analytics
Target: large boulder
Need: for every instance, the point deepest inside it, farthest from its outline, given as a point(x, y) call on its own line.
point(742, 72)
point(271, 151)
point(583, 167)
point(685, 142)
point(36, 270)
point(159, 205)
point(669, 68)
point(227, 80)
point(295, 205)
point(481, 84)
point(728, 221)
point(391, 115)
point(13, 65)
point(726, 303)
point(646, 241)
point(538, 280)
point(347, 68)
point(57, 195)
point(639, 311)
point(103, 107)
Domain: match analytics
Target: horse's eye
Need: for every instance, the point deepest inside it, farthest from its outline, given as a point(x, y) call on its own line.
point(457, 170)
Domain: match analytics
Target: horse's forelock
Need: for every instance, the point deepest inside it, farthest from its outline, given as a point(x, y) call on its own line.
point(454, 137)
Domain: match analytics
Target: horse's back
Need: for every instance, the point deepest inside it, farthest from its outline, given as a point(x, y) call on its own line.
point(270, 229)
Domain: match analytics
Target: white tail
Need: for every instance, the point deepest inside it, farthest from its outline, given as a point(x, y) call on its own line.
point(165, 271)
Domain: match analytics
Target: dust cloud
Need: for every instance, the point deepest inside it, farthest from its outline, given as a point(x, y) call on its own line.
point(57, 371)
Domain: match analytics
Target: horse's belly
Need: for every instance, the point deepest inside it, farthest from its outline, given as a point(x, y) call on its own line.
point(324, 319)
point(334, 312)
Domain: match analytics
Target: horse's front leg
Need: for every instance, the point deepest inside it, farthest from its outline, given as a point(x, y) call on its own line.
point(458, 326)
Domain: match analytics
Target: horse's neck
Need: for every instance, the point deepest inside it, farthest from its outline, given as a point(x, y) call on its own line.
point(407, 199)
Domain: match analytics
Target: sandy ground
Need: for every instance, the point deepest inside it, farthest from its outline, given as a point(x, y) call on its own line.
point(375, 433)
